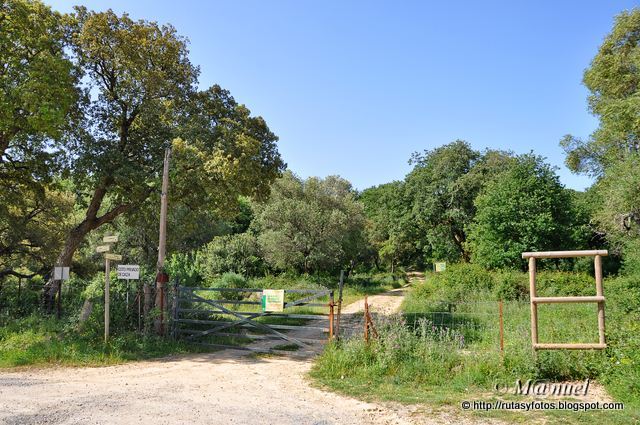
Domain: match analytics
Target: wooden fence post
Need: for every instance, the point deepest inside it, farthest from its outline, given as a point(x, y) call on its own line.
point(534, 306)
point(599, 293)
point(366, 319)
point(340, 286)
point(331, 322)
point(501, 328)
point(176, 293)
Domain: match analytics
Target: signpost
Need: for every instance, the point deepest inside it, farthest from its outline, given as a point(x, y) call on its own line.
point(107, 271)
point(128, 272)
point(273, 300)
point(61, 274)
point(440, 266)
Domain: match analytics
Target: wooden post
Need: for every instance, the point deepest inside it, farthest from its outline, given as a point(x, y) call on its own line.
point(366, 319)
point(176, 293)
point(59, 302)
point(501, 327)
point(139, 310)
point(331, 321)
point(534, 306)
point(600, 293)
point(340, 286)
point(106, 299)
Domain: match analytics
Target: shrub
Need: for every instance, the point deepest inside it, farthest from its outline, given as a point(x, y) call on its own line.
point(231, 280)
point(238, 253)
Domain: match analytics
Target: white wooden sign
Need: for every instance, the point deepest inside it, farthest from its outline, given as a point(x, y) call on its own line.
point(110, 239)
point(114, 257)
point(103, 248)
point(60, 273)
point(128, 271)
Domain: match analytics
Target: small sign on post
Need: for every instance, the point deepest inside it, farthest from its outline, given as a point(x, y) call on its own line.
point(114, 257)
point(103, 248)
point(128, 272)
point(273, 300)
point(440, 266)
point(61, 273)
point(110, 239)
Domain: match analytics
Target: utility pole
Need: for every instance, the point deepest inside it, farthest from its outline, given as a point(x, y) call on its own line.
point(161, 277)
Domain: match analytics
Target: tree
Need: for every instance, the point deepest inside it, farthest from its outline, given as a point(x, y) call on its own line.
point(613, 79)
point(143, 98)
point(442, 187)
point(37, 99)
point(388, 232)
point(310, 226)
point(525, 208)
point(618, 212)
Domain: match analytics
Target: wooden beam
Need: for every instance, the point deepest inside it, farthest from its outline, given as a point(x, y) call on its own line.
point(551, 300)
point(588, 346)
point(565, 254)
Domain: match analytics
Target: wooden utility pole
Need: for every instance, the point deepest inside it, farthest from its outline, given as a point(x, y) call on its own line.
point(161, 276)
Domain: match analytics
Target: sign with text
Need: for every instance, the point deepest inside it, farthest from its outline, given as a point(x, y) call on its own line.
point(440, 267)
point(110, 239)
point(272, 299)
point(103, 248)
point(128, 271)
point(114, 257)
point(61, 273)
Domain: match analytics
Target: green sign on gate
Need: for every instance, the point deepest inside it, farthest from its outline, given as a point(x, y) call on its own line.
point(273, 300)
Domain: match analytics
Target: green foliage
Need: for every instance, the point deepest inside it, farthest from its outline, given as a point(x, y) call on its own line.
point(613, 79)
point(37, 98)
point(239, 253)
point(233, 281)
point(616, 194)
point(443, 186)
point(309, 226)
point(525, 208)
point(185, 268)
point(388, 231)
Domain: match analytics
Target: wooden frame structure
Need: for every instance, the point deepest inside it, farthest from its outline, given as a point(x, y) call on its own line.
point(535, 300)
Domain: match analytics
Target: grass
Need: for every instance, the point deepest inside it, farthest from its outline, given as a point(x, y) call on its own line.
point(34, 341)
point(445, 350)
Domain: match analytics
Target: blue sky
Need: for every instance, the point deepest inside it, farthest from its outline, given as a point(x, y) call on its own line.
point(354, 87)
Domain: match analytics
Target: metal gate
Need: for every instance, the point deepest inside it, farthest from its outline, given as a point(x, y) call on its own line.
point(234, 318)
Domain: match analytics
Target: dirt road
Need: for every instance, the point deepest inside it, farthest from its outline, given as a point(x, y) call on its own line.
point(226, 387)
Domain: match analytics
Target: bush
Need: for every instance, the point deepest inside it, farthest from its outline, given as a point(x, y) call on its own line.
point(231, 280)
point(238, 253)
point(459, 282)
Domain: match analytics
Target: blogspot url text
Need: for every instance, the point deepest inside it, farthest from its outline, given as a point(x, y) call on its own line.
point(527, 406)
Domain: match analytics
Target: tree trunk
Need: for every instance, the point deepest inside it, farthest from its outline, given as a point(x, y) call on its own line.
point(75, 238)
point(78, 233)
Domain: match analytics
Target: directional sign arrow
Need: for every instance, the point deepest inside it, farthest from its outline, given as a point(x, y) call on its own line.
point(103, 248)
point(114, 257)
point(110, 239)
